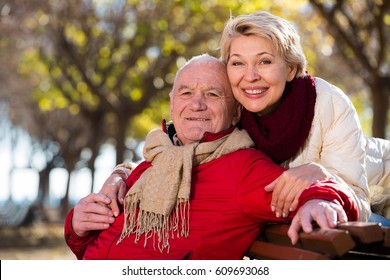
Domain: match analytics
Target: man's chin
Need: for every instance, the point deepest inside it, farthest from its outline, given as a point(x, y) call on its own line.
point(195, 135)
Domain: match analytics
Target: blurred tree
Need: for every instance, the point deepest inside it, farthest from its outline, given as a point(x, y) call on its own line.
point(361, 32)
point(107, 61)
point(77, 74)
point(57, 136)
point(95, 67)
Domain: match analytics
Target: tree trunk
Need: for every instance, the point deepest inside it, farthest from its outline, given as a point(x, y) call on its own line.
point(91, 166)
point(43, 186)
point(120, 138)
point(65, 205)
point(380, 106)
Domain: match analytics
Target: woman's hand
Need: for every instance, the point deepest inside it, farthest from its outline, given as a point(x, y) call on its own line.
point(92, 213)
point(115, 189)
point(288, 187)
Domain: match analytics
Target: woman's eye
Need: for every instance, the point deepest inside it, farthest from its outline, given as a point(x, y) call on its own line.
point(237, 63)
point(265, 61)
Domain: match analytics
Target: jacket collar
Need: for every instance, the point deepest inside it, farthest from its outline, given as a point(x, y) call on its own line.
point(169, 128)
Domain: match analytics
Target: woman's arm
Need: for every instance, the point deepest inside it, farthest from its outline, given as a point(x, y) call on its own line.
point(336, 144)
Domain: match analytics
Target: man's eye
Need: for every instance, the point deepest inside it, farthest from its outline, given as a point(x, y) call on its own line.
point(213, 94)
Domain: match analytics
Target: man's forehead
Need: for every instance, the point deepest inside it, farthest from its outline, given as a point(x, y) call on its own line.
point(204, 67)
point(204, 76)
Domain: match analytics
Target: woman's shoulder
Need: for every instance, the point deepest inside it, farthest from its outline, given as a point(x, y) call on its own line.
point(329, 95)
point(325, 89)
point(335, 114)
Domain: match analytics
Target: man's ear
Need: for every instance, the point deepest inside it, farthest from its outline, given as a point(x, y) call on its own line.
point(170, 102)
point(237, 114)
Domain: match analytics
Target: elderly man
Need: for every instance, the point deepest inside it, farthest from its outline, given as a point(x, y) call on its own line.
point(199, 194)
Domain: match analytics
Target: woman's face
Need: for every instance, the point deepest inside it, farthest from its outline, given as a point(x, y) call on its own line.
point(257, 73)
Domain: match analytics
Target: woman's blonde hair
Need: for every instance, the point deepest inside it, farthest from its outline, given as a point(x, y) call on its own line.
point(263, 24)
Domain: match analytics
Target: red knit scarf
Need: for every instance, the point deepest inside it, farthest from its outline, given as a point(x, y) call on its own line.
point(283, 132)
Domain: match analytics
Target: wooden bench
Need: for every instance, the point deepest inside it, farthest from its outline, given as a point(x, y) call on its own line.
point(13, 214)
point(352, 240)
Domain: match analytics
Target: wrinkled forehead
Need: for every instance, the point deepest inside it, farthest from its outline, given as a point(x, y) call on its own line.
point(204, 76)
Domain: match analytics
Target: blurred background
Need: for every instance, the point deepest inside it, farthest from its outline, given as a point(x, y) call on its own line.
point(82, 82)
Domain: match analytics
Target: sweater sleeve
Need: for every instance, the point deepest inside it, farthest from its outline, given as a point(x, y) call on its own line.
point(77, 244)
point(255, 201)
point(331, 191)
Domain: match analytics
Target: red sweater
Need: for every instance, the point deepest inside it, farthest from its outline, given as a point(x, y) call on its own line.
point(228, 204)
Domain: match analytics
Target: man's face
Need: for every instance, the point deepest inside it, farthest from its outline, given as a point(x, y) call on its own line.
point(201, 100)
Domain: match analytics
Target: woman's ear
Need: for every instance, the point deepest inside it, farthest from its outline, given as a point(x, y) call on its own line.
point(292, 72)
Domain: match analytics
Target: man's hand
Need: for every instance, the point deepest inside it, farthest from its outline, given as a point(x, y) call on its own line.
point(288, 187)
point(92, 213)
point(325, 213)
point(115, 188)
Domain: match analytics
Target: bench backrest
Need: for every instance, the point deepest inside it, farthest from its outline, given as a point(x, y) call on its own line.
point(352, 240)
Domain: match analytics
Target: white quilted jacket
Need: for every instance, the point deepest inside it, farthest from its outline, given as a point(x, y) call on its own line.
point(336, 142)
point(378, 174)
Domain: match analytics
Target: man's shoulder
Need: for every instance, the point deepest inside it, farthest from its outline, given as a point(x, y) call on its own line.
point(247, 155)
point(137, 172)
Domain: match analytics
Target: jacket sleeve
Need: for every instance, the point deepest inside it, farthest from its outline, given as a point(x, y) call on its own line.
point(77, 244)
point(256, 202)
point(342, 149)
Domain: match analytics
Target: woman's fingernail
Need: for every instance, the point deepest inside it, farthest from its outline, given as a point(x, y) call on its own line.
point(273, 208)
point(277, 215)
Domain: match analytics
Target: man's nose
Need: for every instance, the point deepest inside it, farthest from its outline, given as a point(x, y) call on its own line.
point(198, 102)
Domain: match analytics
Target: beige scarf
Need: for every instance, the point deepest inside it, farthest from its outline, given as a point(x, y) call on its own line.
point(163, 190)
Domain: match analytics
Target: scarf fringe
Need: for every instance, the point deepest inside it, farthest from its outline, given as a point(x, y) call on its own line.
point(158, 204)
point(159, 227)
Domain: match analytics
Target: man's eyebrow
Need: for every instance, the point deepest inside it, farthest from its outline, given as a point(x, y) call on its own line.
point(184, 87)
point(209, 88)
point(217, 89)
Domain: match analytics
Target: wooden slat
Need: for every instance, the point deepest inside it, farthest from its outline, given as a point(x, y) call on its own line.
point(386, 235)
point(331, 242)
point(366, 233)
point(334, 242)
point(352, 240)
point(269, 251)
point(277, 233)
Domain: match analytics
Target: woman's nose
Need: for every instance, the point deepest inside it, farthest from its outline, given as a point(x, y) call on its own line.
point(252, 74)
